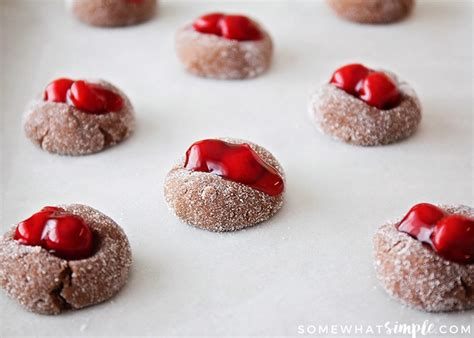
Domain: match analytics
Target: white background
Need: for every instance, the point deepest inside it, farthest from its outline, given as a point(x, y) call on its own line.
point(312, 262)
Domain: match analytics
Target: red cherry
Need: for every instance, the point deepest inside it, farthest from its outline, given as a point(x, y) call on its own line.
point(89, 97)
point(68, 237)
point(93, 98)
point(375, 88)
point(209, 24)
point(113, 102)
point(233, 27)
point(56, 90)
point(239, 27)
point(450, 236)
point(30, 231)
point(84, 97)
point(380, 91)
point(64, 235)
point(235, 162)
point(453, 238)
point(350, 77)
point(420, 220)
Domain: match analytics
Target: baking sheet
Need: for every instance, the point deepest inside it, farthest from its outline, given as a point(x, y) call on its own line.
point(311, 264)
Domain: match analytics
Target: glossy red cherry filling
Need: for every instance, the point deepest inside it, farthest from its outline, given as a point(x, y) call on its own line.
point(57, 90)
point(232, 27)
point(209, 24)
point(375, 88)
point(88, 97)
point(235, 162)
point(451, 236)
point(420, 220)
point(64, 235)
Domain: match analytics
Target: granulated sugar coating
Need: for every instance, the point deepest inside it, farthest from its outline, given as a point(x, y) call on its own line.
point(46, 284)
point(111, 13)
point(63, 129)
point(417, 276)
point(351, 120)
point(372, 11)
point(208, 201)
point(209, 55)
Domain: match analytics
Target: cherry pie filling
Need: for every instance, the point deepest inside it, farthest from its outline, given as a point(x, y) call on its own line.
point(451, 236)
point(234, 162)
point(373, 87)
point(232, 27)
point(62, 234)
point(89, 97)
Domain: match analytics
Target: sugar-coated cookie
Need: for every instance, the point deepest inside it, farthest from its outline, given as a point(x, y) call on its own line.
point(65, 257)
point(372, 11)
point(79, 117)
point(113, 13)
point(365, 107)
point(224, 47)
point(426, 260)
point(225, 185)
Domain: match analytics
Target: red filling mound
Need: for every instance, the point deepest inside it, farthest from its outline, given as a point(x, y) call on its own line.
point(88, 97)
point(232, 27)
point(62, 234)
point(235, 162)
point(451, 236)
point(375, 88)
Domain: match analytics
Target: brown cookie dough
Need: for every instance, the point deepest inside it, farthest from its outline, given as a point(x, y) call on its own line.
point(417, 276)
point(63, 129)
point(212, 56)
point(372, 11)
point(208, 201)
point(112, 13)
point(46, 284)
point(351, 120)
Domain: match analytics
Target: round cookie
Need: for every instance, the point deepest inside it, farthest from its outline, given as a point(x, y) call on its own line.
point(350, 119)
point(372, 11)
point(113, 13)
point(63, 128)
point(413, 273)
point(47, 284)
point(211, 202)
point(215, 56)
